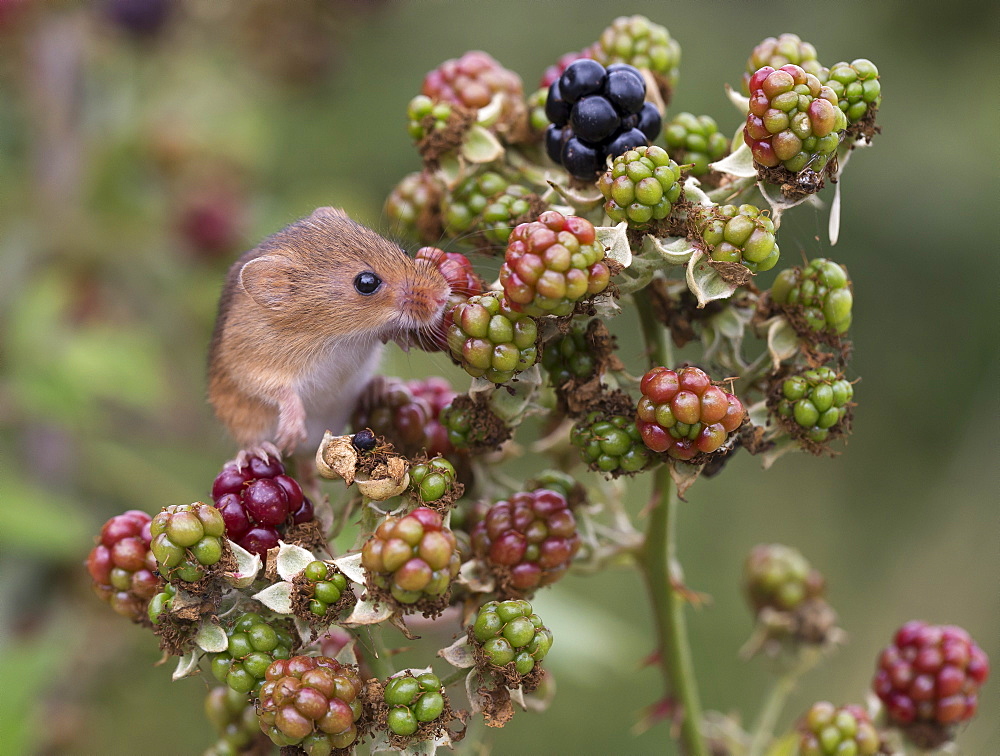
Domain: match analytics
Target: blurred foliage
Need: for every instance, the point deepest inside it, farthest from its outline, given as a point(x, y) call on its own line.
point(138, 160)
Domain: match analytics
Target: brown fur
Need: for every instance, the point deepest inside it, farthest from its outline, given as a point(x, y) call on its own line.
point(292, 326)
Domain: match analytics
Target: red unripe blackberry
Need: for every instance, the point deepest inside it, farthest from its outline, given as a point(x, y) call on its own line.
point(491, 339)
point(122, 566)
point(682, 413)
point(259, 502)
point(407, 414)
point(312, 702)
point(412, 207)
point(930, 674)
point(472, 81)
point(553, 263)
point(532, 536)
point(464, 283)
point(412, 557)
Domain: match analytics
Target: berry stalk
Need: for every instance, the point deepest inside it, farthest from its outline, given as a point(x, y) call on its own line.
point(777, 697)
point(658, 554)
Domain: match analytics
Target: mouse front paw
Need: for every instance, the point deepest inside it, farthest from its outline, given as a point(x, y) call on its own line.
point(264, 450)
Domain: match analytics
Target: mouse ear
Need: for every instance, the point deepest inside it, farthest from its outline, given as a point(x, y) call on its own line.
point(267, 279)
point(327, 212)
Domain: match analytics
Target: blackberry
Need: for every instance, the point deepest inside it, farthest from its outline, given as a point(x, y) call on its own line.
point(857, 88)
point(465, 204)
point(553, 72)
point(364, 440)
point(426, 116)
point(695, 141)
point(259, 503)
point(472, 81)
point(160, 603)
point(682, 413)
point(529, 540)
point(413, 701)
point(312, 702)
point(509, 632)
point(499, 216)
point(780, 51)
point(553, 263)
point(537, 120)
point(610, 444)
point(641, 186)
point(412, 208)
point(930, 675)
point(431, 480)
point(814, 403)
point(413, 557)
point(597, 113)
point(828, 730)
point(122, 567)
point(741, 235)
point(407, 414)
point(491, 339)
point(234, 719)
point(794, 120)
point(819, 295)
point(187, 540)
point(567, 358)
point(639, 42)
point(780, 578)
point(254, 643)
point(327, 586)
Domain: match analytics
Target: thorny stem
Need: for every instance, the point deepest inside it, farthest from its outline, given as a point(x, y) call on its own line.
point(655, 560)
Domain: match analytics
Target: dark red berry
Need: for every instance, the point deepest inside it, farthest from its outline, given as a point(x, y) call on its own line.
point(266, 502)
point(259, 539)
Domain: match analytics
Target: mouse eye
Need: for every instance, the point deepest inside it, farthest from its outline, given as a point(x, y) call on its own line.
point(367, 283)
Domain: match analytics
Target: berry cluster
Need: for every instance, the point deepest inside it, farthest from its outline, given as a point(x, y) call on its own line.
point(741, 235)
point(857, 88)
point(254, 643)
point(831, 731)
point(491, 339)
point(820, 292)
point(779, 577)
point(780, 51)
point(122, 566)
point(407, 414)
point(642, 185)
point(463, 206)
point(258, 503)
point(187, 539)
point(510, 631)
point(412, 208)
point(639, 42)
point(816, 401)
point(682, 413)
point(597, 113)
point(931, 674)
point(695, 141)
point(553, 263)
point(327, 586)
point(567, 358)
point(311, 702)
point(531, 536)
point(794, 120)
point(610, 444)
point(500, 215)
point(472, 81)
point(464, 283)
point(412, 557)
point(412, 702)
point(234, 719)
point(425, 116)
point(432, 479)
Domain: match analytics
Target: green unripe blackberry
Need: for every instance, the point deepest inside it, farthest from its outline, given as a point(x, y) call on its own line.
point(412, 702)
point(160, 603)
point(857, 87)
point(253, 644)
point(639, 42)
point(610, 444)
point(327, 587)
point(510, 631)
point(537, 119)
point(467, 201)
point(499, 217)
point(780, 578)
point(695, 141)
point(412, 208)
point(641, 186)
point(794, 120)
point(820, 292)
point(816, 402)
point(828, 730)
point(567, 357)
point(426, 116)
point(234, 719)
point(491, 339)
point(186, 540)
point(742, 235)
point(432, 479)
point(780, 51)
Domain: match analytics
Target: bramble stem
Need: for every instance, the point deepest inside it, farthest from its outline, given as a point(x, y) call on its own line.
point(377, 654)
point(454, 677)
point(764, 727)
point(655, 560)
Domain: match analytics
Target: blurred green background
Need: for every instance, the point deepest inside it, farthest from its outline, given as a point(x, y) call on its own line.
point(134, 167)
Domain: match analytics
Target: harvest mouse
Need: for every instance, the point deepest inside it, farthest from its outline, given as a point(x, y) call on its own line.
point(301, 321)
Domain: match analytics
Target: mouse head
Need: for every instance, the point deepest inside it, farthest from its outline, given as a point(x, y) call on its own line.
point(341, 279)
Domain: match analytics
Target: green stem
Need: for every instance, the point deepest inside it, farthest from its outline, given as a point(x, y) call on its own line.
point(764, 727)
point(656, 559)
point(377, 654)
point(454, 677)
